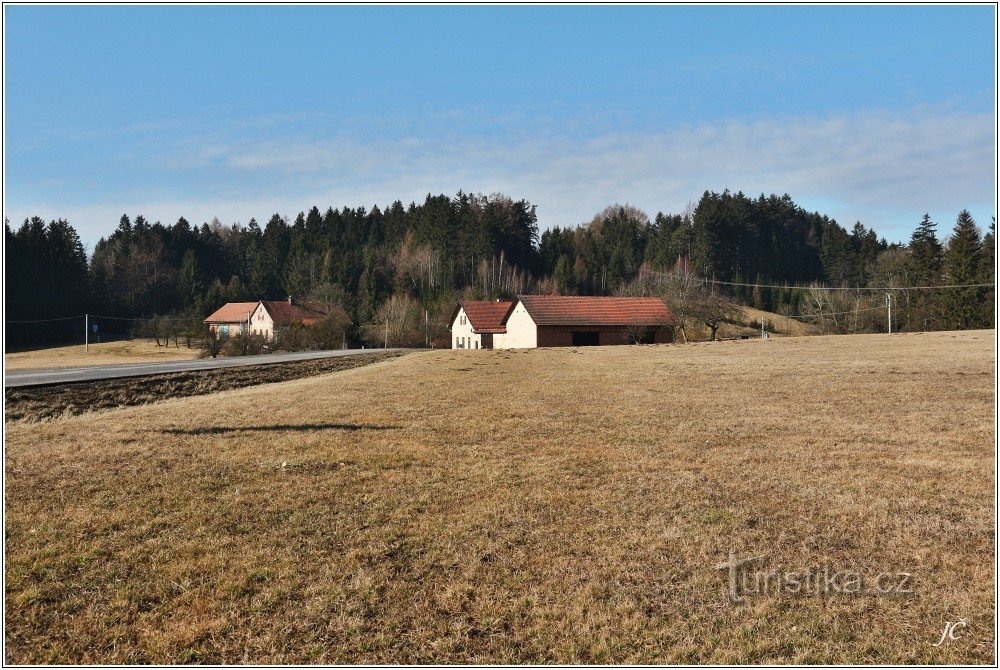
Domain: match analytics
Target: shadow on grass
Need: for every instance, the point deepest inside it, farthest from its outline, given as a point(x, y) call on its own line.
point(284, 427)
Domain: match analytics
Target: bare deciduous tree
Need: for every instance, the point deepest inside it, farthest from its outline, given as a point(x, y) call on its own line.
point(398, 322)
point(712, 309)
point(680, 289)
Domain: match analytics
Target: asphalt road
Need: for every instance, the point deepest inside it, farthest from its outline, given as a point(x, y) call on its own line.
point(40, 377)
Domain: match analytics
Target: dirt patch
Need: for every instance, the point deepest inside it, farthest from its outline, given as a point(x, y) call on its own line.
point(65, 399)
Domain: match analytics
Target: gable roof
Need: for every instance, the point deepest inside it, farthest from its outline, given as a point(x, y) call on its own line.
point(284, 313)
point(558, 310)
point(486, 316)
point(232, 312)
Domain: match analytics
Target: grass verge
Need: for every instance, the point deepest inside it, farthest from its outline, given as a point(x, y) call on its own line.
point(36, 403)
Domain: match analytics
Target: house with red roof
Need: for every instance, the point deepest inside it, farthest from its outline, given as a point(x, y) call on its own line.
point(561, 321)
point(478, 324)
point(231, 318)
point(266, 318)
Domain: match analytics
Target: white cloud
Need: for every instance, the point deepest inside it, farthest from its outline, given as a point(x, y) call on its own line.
point(885, 169)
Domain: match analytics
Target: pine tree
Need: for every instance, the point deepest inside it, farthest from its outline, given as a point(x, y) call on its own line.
point(189, 284)
point(926, 261)
point(987, 272)
point(965, 306)
point(926, 255)
point(564, 277)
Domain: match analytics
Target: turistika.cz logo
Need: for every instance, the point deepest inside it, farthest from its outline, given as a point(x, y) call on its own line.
point(743, 580)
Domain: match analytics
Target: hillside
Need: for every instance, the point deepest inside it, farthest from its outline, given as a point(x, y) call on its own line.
point(746, 321)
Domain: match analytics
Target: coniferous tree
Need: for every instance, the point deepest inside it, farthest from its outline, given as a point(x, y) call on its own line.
point(189, 279)
point(964, 306)
point(926, 254)
point(987, 273)
point(926, 264)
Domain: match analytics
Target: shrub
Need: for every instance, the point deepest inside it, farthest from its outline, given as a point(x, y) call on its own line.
point(244, 344)
point(212, 344)
point(329, 333)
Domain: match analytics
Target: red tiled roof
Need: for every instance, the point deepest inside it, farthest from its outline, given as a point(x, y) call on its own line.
point(486, 316)
point(284, 313)
point(232, 312)
point(557, 310)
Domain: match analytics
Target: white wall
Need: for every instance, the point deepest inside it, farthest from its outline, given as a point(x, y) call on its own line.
point(462, 336)
point(261, 323)
point(522, 333)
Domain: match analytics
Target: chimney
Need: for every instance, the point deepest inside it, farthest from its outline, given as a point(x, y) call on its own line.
point(289, 300)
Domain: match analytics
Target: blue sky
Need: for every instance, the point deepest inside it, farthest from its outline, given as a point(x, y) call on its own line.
point(870, 113)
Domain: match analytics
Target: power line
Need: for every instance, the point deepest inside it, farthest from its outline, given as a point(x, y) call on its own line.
point(824, 288)
point(99, 316)
point(826, 314)
point(140, 318)
point(64, 318)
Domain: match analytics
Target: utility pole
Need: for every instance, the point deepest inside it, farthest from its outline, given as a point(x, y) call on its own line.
point(386, 345)
point(86, 332)
point(427, 329)
point(888, 305)
point(762, 319)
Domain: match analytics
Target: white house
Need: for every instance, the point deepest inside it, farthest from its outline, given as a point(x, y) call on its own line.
point(272, 316)
point(476, 324)
point(264, 317)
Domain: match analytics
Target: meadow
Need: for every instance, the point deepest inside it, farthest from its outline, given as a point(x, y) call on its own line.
point(100, 353)
point(540, 506)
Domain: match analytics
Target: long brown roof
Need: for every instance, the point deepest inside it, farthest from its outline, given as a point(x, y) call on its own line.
point(557, 310)
point(486, 316)
point(232, 312)
point(284, 313)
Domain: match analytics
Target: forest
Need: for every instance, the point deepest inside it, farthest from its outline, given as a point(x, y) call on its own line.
point(407, 265)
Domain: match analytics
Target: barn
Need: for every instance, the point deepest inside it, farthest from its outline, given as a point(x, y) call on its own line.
point(564, 321)
point(478, 324)
point(561, 321)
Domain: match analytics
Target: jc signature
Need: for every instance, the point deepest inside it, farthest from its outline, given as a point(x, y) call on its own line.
point(950, 631)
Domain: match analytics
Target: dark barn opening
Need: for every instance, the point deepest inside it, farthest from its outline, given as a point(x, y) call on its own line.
point(586, 339)
point(647, 336)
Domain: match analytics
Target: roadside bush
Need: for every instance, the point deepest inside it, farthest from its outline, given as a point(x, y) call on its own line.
point(330, 333)
point(243, 344)
point(293, 338)
point(212, 344)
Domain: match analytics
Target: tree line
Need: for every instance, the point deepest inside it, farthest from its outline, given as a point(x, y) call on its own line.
point(405, 266)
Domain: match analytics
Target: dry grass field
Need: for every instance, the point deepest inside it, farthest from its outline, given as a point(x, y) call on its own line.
point(559, 505)
point(47, 402)
point(104, 353)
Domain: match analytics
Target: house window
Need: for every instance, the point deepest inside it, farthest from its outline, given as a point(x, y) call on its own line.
point(477, 344)
point(461, 320)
